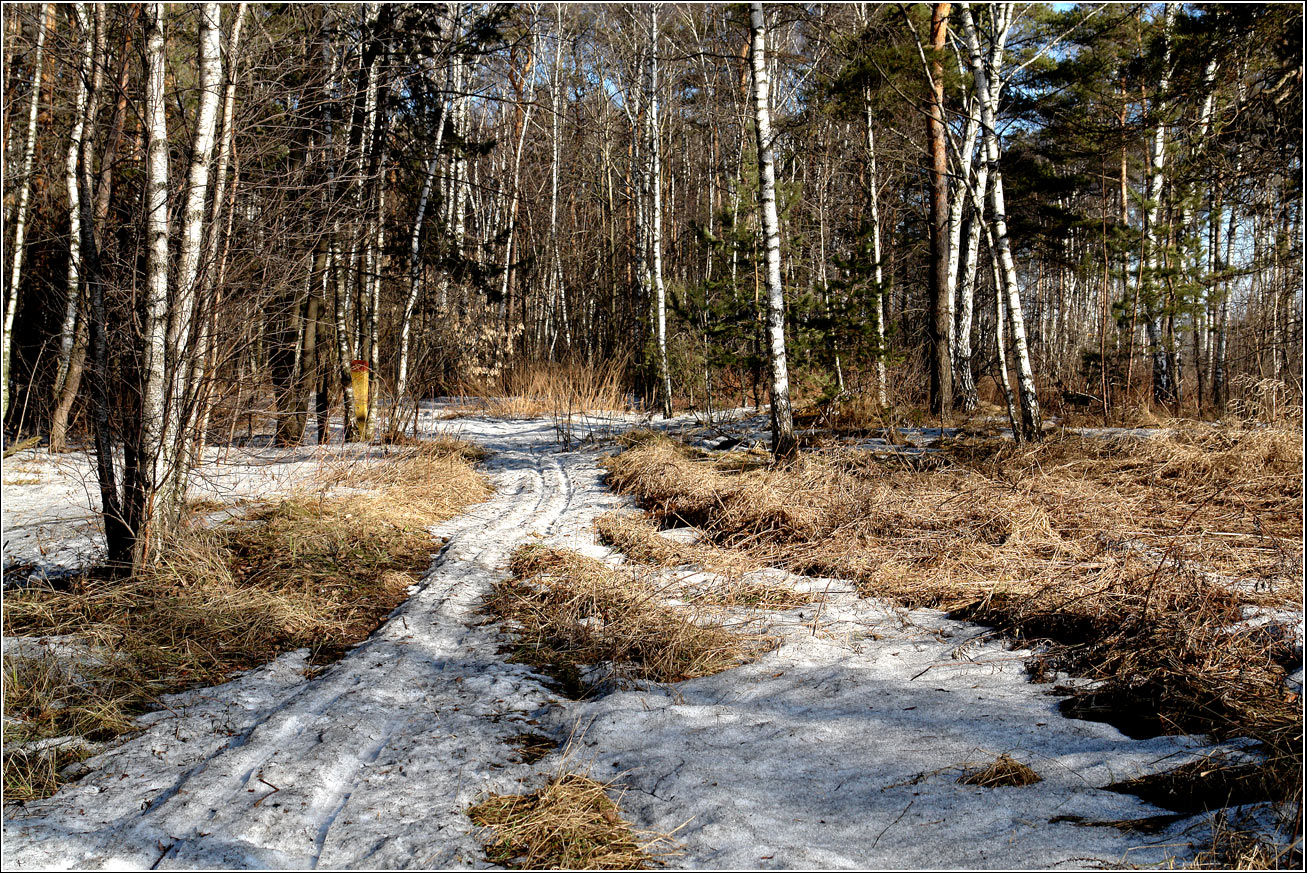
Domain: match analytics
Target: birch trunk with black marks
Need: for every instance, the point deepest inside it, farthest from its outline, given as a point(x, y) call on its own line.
point(655, 200)
point(186, 300)
point(782, 417)
point(962, 267)
point(80, 25)
point(20, 213)
point(145, 474)
point(72, 362)
point(986, 71)
point(1166, 388)
point(213, 267)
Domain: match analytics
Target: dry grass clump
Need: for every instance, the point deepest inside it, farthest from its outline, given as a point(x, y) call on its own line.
point(307, 572)
point(640, 541)
point(1002, 772)
point(536, 389)
point(570, 612)
point(426, 480)
point(570, 824)
point(531, 747)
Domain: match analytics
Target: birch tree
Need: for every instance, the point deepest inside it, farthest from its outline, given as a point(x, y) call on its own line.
point(145, 476)
point(20, 213)
point(654, 184)
point(782, 418)
point(1165, 384)
point(986, 69)
point(80, 21)
point(182, 313)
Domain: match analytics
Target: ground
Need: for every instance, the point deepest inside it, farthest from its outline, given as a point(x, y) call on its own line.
point(840, 748)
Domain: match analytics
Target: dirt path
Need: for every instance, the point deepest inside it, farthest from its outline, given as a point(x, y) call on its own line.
point(833, 751)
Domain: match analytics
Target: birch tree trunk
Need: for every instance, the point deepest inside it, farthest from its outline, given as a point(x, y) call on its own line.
point(782, 418)
point(962, 261)
point(1196, 262)
point(72, 362)
point(181, 316)
point(77, 13)
point(1000, 343)
point(139, 509)
point(655, 201)
point(1165, 387)
point(985, 72)
point(873, 204)
point(212, 268)
point(20, 214)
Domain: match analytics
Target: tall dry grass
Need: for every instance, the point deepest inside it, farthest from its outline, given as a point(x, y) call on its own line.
point(542, 388)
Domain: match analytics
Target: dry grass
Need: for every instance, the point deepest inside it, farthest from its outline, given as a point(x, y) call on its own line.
point(1004, 771)
point(638, 539)
point(1238, 848)
point(1115, 555)
point(570, 612)
point(570, 824)
point(537, 389)
point(307, 572)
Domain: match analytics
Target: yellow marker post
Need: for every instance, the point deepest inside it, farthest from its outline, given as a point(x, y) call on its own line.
point(358, 371)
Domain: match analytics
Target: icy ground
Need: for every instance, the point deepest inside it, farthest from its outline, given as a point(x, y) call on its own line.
point(840, 749)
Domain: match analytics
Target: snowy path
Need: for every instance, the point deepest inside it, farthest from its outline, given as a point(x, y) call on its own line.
point(833, 751)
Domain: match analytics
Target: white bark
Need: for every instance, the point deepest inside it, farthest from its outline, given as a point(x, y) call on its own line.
point(20, 215)
point(656, 219)
point(1164, 381)
point(154, 382)
point(783, 444)
point(1196, 261)
point(878, 317)
point(209, 284)
point(555, 312)
point(77, 12)
point(182, 313)
point(986, 70)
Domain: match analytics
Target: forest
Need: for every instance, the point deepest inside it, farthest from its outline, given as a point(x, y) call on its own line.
point(993, 311)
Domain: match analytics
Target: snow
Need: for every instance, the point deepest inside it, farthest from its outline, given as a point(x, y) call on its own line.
point(51, 502)
point(839, 749)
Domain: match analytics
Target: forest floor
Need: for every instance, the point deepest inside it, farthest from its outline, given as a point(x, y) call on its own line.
point(845, 731)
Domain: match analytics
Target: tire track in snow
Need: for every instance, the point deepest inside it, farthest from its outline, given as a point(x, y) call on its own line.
point(375, 759)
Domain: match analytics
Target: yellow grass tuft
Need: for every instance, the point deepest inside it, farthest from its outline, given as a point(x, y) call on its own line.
point(570, 824)
point(569, 612)
point(1004, 771)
